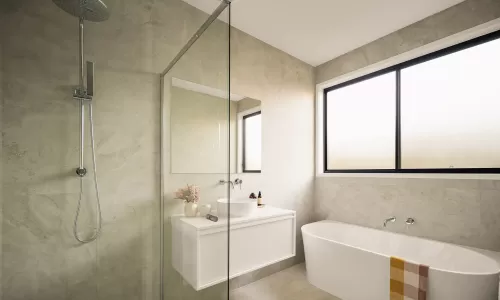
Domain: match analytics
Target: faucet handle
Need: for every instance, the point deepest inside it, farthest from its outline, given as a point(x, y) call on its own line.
point(238, 182)
point(410, 221)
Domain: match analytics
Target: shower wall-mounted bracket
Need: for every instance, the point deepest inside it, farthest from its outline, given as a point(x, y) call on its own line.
point(79, 94)
point(82, 93)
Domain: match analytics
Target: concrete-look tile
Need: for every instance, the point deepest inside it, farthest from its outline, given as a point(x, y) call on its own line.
point(490, 214)
point(41, 259)
point(455, 211)
point(290, 283)
point(311, 293)
point(255, 275)
point(489, 184)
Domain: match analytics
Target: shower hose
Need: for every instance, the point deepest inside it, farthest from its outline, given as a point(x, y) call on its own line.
point(97, 232)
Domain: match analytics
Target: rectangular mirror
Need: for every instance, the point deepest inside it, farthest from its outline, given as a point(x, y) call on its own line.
point(205, 126)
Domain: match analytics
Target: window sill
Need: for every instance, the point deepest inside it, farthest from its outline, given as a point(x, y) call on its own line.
point(412, 175)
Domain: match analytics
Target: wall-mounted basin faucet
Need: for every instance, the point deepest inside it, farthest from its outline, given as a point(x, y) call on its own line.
point(238, 181)
point(222, 182)
point(391, 220)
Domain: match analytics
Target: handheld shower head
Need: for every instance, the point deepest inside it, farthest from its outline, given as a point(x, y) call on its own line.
point(91, 10)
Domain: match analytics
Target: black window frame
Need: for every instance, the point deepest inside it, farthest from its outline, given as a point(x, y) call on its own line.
point(397, 69)
point(243, 129)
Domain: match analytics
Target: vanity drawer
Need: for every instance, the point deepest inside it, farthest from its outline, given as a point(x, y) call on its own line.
point(200, 253)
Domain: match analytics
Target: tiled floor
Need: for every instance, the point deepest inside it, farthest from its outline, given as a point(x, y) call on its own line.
point(289, 284)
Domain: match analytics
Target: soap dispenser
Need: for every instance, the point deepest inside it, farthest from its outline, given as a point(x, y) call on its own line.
point(259, 199)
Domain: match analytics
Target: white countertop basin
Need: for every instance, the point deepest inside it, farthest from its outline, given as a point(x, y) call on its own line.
point(236, 207)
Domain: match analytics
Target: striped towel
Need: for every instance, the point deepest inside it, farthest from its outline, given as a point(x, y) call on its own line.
point(408, 280)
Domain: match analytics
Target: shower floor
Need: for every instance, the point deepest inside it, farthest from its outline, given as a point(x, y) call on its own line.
point(289, 284)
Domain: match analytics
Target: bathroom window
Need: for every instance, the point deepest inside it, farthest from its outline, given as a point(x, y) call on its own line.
point(360, 124)
point(450, 110)
point(251, 142)
point(439, 113)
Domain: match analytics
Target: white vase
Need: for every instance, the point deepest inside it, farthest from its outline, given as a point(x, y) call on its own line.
point(190, 209)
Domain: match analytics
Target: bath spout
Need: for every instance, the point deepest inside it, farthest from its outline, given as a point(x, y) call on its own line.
point(391, 219)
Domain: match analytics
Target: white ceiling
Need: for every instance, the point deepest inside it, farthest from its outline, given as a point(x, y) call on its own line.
point(316, 31)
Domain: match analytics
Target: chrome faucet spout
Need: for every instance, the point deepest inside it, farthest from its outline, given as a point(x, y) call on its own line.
point(222, 182)
point(391, 219)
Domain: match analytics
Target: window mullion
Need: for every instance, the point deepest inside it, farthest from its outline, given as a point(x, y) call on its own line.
point(398, 119)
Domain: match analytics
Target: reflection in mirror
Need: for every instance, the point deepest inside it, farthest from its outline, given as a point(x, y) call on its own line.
point(251, 140)
point(206, 129)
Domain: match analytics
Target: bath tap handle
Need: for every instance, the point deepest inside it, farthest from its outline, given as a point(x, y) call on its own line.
point(410, 221)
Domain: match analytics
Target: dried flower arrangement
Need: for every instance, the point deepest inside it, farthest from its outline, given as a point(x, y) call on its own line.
point(189, 194)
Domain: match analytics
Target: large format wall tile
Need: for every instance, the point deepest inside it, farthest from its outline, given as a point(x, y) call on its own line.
point(40, 258)
point(456, 211)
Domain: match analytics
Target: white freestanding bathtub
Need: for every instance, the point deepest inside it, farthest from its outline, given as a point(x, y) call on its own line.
point(352, 263)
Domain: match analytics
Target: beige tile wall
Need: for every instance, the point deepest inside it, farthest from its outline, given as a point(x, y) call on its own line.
point(463, 212)
point(40, 258)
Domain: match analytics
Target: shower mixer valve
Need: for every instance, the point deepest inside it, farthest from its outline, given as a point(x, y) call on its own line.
point(81, 172)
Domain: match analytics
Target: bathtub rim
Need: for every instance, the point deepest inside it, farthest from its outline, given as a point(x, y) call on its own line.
point(496, 263)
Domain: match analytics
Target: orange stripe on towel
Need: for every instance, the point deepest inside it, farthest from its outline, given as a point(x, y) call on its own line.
point(397, 279)
point(413, 287)
point(397, 263)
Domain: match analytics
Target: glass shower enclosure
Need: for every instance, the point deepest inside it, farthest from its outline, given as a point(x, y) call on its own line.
point(162, 141)
point(199, 150)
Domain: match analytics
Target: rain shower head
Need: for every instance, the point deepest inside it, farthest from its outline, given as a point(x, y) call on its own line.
point(91, 10)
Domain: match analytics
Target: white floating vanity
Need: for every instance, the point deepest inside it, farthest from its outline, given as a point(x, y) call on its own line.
point(200, 246)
